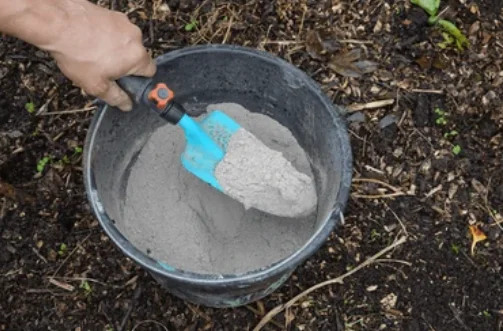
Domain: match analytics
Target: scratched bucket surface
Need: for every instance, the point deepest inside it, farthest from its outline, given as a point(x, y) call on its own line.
point(261, 82)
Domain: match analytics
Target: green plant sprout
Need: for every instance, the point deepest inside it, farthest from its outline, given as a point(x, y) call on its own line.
point(452, 133)
point(456, 149)
point(441, 116)
point(42, 163)
point(86, 287)
point(192, 25)
point(452, 33)
point(30, 107)
point(62, 249)
point(455, 249)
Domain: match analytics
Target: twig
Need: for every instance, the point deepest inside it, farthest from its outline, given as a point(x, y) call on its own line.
point(134, 300)
point(256, 312)
point(227, 33)
point(282, 42)
point(377, 196)
point(394, 260)
point(398, 219)
point(198, 312)
point(377, 181)
point(417, 90)
point(456, 312)
point(370, 105)
point(81, 279)
point(70, 255)
point(268, 317)
point(73, 111)
point(39, 255)
point(355, 41)
point(64, 286)
point(2, 210)
point(150, 321)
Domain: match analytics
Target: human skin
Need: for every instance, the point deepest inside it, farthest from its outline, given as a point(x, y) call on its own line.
point(91, 45)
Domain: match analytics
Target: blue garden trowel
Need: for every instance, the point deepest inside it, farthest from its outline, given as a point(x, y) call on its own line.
point(206, 140)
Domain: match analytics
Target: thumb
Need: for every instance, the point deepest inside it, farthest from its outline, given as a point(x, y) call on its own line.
point(116, 97)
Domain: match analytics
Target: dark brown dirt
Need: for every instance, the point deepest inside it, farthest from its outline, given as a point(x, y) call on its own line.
point(449, 169)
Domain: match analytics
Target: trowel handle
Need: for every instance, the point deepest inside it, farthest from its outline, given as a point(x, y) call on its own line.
point(156, 96)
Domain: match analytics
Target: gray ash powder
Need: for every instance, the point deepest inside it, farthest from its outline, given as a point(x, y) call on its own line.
point(185, 223)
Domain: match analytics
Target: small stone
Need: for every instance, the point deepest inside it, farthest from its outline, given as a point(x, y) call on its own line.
point(357, 117)
point(52, 256)
point(389, 301)
point(387, 121)
point(372, 288)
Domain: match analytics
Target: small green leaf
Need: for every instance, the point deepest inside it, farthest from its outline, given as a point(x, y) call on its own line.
point(455, 248)
point(42, 163)
point(30, 107)
point(190, 26)
point(456, 150)
point(430, 6)
point(458, 36)
point(486, 313)
point(452, 133)
point(86, 287)
point(62, 249)
point(78, 150)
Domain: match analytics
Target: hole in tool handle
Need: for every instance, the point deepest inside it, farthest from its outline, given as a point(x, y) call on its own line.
point(156, 96)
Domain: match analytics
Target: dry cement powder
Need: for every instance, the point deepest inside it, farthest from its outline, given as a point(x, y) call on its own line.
point(263, 178)
point(182, 221)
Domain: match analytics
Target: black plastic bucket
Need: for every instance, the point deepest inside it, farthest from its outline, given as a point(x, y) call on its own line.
point(260, 82)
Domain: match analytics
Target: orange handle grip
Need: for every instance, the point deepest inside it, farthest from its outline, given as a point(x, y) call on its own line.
point(161, 96)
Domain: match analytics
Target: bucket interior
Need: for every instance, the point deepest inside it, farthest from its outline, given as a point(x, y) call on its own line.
point(260, 84)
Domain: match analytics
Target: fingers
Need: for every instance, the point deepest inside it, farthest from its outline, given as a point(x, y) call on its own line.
point(113, 95)
point(145, 65)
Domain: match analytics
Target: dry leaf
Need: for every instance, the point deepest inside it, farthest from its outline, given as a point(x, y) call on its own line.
point(347, 64)
point(477, 236)
point(314, 45)
point(425, 62)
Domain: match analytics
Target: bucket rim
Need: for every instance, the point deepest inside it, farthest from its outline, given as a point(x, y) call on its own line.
point(283, 266)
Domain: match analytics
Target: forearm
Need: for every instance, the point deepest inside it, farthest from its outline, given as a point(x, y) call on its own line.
point(93, 46)
point(38, 22)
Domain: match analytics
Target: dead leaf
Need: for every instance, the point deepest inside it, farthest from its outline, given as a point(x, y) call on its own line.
point(425, 62)
point(347, 64)
point(314, 45)
point(474, 28)
point(477, 236)
point(367, 67)
point(440, 62)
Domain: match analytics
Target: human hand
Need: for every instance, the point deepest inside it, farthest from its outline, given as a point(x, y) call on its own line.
point(98, 46)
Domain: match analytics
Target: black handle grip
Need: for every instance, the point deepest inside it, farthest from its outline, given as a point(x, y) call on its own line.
point(136, 87)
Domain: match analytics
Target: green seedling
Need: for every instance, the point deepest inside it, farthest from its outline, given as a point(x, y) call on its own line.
point(455, 249)
point(30, 107)
point(441, 116)
point(374, 234)
point(77, 150)
point(456, 149)
point(42, 163)
point(191, 26)
point(62, 249)
point(452, 133)
point(86, 287)
point(429, 6)
point(486, 314)
point(453, 34)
